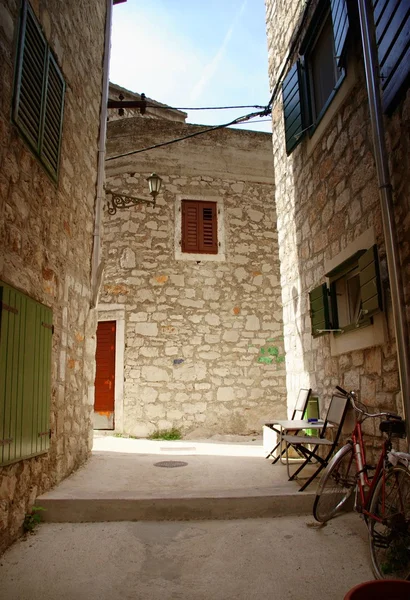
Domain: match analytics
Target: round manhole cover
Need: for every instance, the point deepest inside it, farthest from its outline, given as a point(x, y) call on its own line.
point(171, 464)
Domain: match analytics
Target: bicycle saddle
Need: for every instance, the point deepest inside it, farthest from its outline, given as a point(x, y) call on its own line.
point(394, 427)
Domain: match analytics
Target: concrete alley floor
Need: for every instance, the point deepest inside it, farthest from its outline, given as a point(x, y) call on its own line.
point(281, 558)
point(227, 477)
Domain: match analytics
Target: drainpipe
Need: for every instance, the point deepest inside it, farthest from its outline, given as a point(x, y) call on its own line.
point(96, 266)
point(386, 200)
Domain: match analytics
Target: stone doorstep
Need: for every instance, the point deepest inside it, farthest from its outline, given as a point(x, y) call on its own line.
point(183, 508)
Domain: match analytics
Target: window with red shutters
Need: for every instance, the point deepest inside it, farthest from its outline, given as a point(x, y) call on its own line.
point(199, 227)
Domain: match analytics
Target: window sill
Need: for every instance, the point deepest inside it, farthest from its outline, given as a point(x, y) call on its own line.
point(358, 339)
point(186, 256)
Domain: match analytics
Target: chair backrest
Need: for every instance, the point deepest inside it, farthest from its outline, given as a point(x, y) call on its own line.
point(301, 404)
point(336, 414)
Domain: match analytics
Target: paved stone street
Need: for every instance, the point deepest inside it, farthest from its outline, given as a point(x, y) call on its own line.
point(281, 558)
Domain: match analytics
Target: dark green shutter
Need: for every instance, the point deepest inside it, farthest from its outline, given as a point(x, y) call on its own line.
point(31, 68)
point(370, 284)
point(53, 115)
point(293, 107)
point(39, 93)
point(319, 309)
point(340, 21)
point(392, 22)
point(25, 376)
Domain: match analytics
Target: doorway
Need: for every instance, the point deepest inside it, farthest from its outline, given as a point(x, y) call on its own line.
point(104, 400)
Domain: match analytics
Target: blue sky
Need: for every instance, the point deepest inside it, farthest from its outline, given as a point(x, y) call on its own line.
point(193, 53)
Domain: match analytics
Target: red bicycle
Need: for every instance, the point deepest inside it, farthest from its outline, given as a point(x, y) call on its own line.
point(383, 498)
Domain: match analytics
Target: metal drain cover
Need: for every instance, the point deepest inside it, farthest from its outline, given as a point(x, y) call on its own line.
point(171, 464)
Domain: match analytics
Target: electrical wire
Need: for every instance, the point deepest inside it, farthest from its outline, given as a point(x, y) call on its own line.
point(237, 121)
point(261, 121)
point(204, 107)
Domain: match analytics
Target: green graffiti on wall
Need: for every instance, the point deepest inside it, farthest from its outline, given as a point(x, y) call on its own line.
point(270, 355)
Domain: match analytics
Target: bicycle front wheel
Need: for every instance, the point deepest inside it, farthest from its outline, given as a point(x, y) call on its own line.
point(336, 484)
point(389, 527)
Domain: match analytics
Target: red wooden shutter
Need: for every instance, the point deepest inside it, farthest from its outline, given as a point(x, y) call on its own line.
point(190, 226)
point(199, 227)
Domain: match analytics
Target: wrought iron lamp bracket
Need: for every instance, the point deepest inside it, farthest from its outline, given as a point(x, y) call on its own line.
point(120, 201)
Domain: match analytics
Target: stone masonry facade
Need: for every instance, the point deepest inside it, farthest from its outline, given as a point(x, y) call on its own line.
point(46, 237)
point(326, 197)
point(203, 340)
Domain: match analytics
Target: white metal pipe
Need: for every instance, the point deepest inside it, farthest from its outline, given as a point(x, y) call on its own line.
point(390, 236)
point(96, 258)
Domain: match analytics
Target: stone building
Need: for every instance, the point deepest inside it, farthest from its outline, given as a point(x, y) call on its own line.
point(191, 291)
point(50, 106)
point(327, 198)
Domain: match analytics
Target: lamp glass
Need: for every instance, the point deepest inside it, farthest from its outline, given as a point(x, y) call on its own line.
point(154, 183)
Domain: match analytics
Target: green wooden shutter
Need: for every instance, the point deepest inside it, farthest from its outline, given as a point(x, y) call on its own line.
point(31, 67)
point(370, 284)
point(392, 22)
point(319, 309)
point(25, 376)
point(53, 116)
point(293, 107)
point(340, 21)
point(38, 92)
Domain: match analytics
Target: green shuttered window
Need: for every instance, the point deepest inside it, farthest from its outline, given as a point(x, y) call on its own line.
point(355, 295)
point(392, 22)
point(25, 376)
point(39, 93)
point(313, 80)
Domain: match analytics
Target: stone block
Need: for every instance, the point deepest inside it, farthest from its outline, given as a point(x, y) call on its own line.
point(225, 394)
point(151, 373)
point(147, 329)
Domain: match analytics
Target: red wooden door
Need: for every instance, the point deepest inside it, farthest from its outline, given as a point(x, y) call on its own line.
point(105, 374)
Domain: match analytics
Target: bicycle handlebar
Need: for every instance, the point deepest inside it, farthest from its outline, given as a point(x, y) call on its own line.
point(351, 395)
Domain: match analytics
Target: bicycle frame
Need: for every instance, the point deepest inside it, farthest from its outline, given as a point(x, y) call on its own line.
point(361, 471)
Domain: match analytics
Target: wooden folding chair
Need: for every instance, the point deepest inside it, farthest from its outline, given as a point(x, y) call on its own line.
point(298, 412)
point(308, 446)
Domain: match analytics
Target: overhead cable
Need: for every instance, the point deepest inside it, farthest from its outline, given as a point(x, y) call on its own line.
point(204, 107)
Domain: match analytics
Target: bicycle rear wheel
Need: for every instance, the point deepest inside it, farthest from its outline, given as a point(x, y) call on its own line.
point(336, 484)
point(389, 538)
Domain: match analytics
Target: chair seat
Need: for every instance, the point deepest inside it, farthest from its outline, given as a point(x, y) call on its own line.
point(298, 439)
point(308, 445)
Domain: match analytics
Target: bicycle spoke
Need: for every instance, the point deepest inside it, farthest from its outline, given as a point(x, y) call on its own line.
point(390, 538)
point(336, 485)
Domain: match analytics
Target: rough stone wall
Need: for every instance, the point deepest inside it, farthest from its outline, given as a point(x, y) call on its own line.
point(46, 236)
point(326, 197)
point(203, 338)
